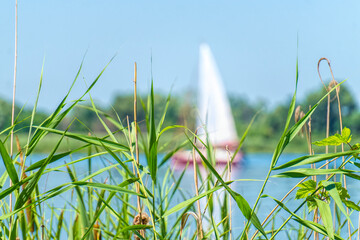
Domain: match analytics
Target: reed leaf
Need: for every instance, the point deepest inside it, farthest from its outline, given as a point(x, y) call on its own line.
point(152, 139)
point(8, 164)
point(289, 135)
point(309, 224)
point(88, 139)
point(25, 194)
point(325, 213)
point(109, 187)
point(306, 172)
point(310, 159)
point(240, 200)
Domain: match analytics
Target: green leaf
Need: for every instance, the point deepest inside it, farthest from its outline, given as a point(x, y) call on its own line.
point(8, 164)
point(306, 189)
point(25, 194)
point(289, 135)
point(337, 193)
point(346, 134)
point(309, 224)
point(351, 205)
point(108, 187)
point(311, 203)
point(13, 230)
point(135, 228)
point(242, 204)
point(307, 172)
point(88, 139)
point(334, 140)
point(326, 217)
point(152, 138)
point(309, 159)
point(190, 201)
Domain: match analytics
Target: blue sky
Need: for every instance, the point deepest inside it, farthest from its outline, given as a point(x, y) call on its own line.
point(254, 43)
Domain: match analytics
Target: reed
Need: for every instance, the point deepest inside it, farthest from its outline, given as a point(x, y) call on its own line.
point(129, 198)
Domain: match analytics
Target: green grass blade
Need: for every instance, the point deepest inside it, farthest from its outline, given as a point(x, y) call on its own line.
point(306, 172)
point(309, 224)
point(39, 134)
point(152, 141)
point(102, 122)
point(310, 159)
point(108, 187)
point(13, 230)
point(55, 158)
point(82, 208)
point(88, 139)
point(190, 201)
point(287, 137)
point(330, 187)
point(35, 105)
point(25, 194)
point(283, 140)
point(59, 226)
point(8, 164)
point(55, 118)
point(325, 213)
point(240, 200)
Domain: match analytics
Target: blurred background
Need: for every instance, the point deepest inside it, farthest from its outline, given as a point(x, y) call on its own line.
point(256, 46)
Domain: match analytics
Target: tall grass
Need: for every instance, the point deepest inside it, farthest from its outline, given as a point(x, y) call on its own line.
point(128, 198)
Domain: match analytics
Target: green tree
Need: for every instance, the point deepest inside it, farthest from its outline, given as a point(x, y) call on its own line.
point(348, 108)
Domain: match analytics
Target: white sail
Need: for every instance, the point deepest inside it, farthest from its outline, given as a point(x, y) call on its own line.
point(214, 107)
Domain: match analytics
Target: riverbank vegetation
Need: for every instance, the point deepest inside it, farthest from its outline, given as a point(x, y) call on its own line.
point(182, 111)
point(127, 198)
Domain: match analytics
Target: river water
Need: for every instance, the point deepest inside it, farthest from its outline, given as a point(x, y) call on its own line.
point(255, 167)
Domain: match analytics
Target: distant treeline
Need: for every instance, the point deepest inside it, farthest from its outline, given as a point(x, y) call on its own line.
point(182, 110)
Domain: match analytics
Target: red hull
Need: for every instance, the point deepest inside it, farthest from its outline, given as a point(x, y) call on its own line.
point(222, 157)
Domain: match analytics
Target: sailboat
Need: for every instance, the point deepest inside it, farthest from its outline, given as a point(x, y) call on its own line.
point(215, 119)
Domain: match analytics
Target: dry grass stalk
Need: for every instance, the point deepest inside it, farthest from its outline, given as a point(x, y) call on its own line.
point(136, 135)
point(200, 231)
point(13, 100)
point(285, 196)
point(184, 219)
point(97, 232)
point(29, 210)
point(229, 179)
point(141, 219)
point(332, 84)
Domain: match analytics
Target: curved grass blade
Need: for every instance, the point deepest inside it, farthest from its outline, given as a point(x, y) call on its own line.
point(306, 172)
point(288, 136)
point(330, 187)
point(88, 139)
point(82, 208)
point(190, 201)
point(152, 139)
point(54, 119)
point(25, 194)
point(40, 134)
point(309, 159)
point(35, 105)
point(309, 224)
point(8, 164)
point(326, 217)
point(56, 157)
point(240, 200)
point(109, 187)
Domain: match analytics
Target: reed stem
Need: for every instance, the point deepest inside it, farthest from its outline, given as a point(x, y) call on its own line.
point(197, 190)
point(136, 136)
point(285, 196)
point(229, 179)
point(302, 204)
point(13, 99)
